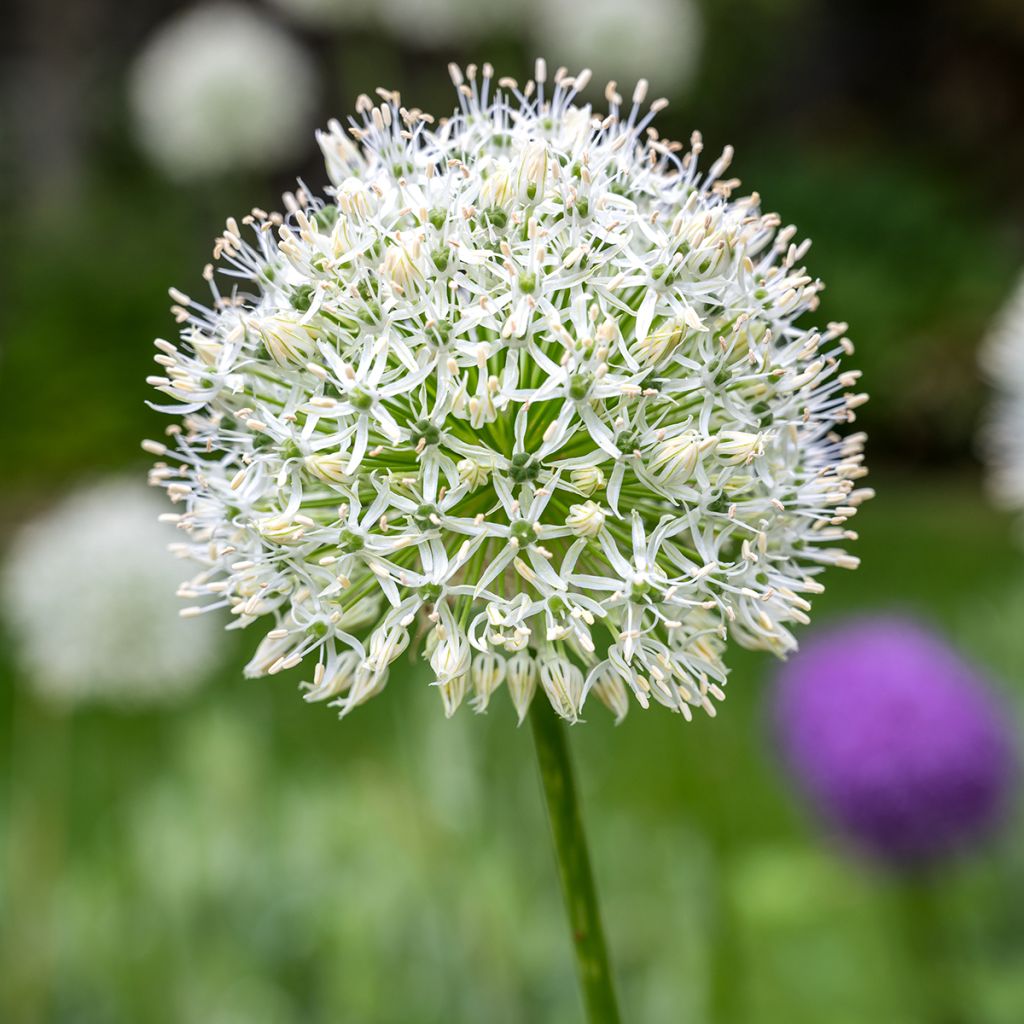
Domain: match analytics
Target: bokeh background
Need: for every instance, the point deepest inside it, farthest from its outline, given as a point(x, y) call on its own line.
point(233, 854)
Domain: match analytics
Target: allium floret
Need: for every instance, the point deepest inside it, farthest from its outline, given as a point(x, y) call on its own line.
point(528, 377)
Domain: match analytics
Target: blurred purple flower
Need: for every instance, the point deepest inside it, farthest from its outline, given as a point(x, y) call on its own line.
point(896, 739)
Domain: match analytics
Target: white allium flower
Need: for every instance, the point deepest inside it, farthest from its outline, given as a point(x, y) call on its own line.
point(436, 23)
point(426, 23)
point(655, 39)
point(434, 395)
point(218, 88)
point(327, 13)
point(1002, 357)
point(88, 596)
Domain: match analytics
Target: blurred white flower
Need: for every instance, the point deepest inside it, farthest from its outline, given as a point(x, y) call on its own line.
point(1002, 359)
point(423, 23)
point(435, 23)
point(655, 39)
point(219, 88)
point(327, 13)
point(88, 595)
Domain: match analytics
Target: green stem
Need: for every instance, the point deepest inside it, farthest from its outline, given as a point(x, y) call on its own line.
point(725, 989)
point(932, 961)
point(556, 775)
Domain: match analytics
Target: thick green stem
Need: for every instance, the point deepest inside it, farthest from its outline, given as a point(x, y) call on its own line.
point(932, 961)
point(725, 989)
point(592, 966)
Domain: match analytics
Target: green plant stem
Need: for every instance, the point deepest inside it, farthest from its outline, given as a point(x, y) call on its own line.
point(556, 776)
point(933, 964)
point(725, 991)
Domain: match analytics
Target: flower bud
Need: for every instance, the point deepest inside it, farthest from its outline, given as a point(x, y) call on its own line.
point(660, 343)
point(586, 520)
point(497, 187)
point(368, 682)
point(482, 410)
point(563, 683)
point(272, 649)
point(674, 460)
point(533, 170)
point(208, 349)
point(737, 446)
point(281, 529)
point(327, 466)
point(453, 692)
point(587, 479)
point(286, 340)
point(400, 266)
point(609, 688)
point(521, 672)
point(473, 473)
point(363, 612)
point(341, 237)
point(450, 656)
point(487, 674)
point(355, 199)
point(386, 644)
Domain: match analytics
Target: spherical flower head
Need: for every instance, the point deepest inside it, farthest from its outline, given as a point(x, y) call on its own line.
point(896, 739)
point(1002, 358)
point(220, 88)
point(88, 597)
point(528, 377)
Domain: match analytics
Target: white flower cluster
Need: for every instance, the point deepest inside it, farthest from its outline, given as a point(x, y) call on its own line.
point(529, 376)
point(88, 594)
point(1002, 358)
point(218, 88)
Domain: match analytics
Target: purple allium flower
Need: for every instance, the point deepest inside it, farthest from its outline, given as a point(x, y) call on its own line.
point(896, 739)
